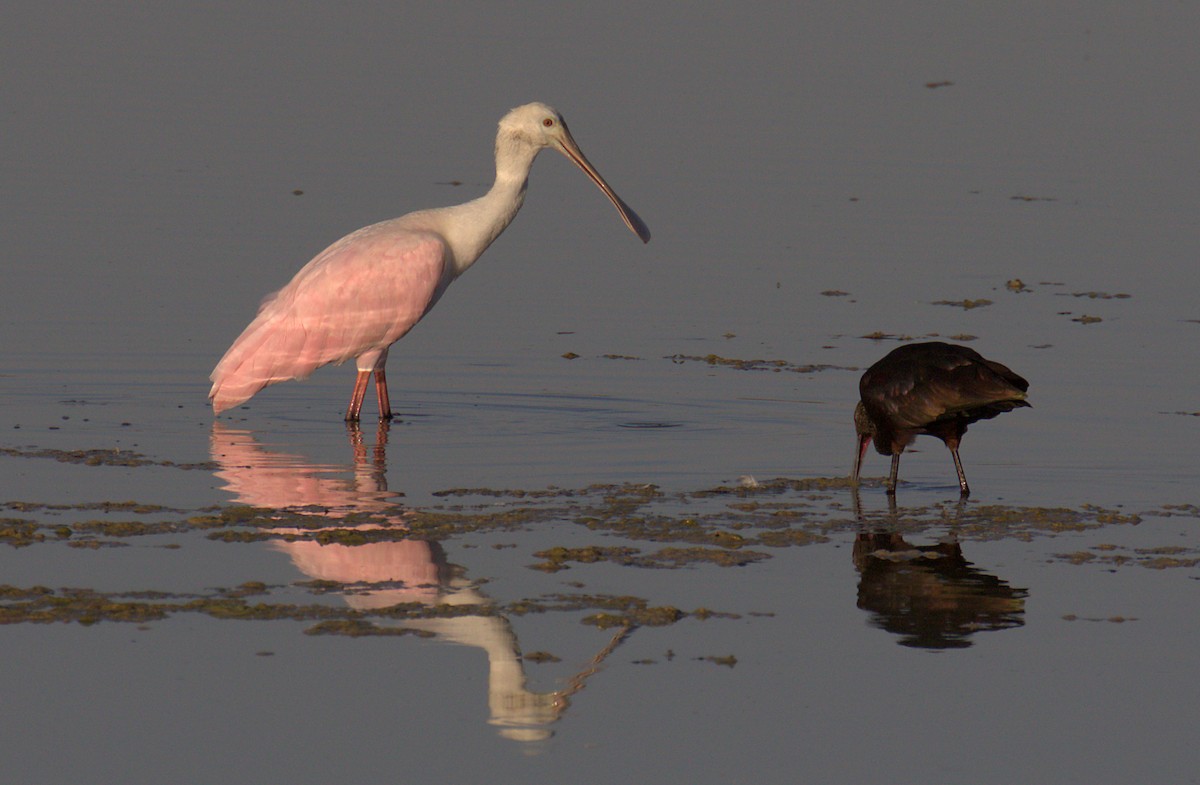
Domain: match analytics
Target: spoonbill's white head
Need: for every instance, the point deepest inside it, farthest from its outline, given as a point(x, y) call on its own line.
point(528, 129)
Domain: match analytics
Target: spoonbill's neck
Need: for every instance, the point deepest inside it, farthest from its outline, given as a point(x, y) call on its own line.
point(471, 227)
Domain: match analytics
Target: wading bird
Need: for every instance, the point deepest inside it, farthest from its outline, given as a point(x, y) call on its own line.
point(364, 292)
point(934, 388)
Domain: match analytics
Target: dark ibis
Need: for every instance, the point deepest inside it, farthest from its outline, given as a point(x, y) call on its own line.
point(933, 388)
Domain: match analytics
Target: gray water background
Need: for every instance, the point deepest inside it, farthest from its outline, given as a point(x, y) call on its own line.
point(151, 159)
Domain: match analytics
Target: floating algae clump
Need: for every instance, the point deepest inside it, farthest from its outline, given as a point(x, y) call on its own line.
point(357, 628)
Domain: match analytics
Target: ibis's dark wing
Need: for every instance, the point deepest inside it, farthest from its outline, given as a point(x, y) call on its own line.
point(917, 384)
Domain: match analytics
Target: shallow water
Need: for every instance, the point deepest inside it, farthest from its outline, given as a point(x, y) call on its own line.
point(644, 561)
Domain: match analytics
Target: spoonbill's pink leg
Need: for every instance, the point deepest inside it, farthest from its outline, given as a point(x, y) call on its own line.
point(385, 406)
point(360, 392)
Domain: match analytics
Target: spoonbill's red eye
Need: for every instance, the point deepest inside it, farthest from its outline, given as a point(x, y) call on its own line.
point(548, 122)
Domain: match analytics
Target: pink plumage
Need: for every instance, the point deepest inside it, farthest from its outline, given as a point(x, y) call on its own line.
point(354, 300)
point(367, 290)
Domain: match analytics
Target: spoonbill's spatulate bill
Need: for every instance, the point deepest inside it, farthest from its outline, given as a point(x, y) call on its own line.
point(930, 388)
point(364, 292)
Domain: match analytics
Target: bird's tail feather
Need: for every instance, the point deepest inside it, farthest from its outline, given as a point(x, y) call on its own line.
point(269, 351)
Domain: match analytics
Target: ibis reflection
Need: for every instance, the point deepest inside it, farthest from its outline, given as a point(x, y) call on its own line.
point(385, 573)
point(930, 595)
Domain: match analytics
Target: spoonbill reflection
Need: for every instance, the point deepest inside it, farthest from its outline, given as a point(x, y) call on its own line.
point(383, 572)
point(367, 290)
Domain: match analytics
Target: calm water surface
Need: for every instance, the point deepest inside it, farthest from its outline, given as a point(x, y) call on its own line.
point(548, 569)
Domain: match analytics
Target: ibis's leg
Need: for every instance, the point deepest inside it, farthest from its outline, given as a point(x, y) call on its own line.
point(385, 406)
point(891, 483)
point(360, 392)
point(962, 478)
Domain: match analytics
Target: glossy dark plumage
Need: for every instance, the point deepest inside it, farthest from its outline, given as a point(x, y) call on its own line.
point(930, 388)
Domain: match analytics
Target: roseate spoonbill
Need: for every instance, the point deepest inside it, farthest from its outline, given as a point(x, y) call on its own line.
point(935, 388)
point(364, 292)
